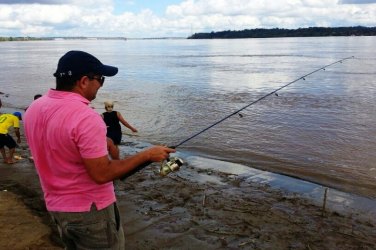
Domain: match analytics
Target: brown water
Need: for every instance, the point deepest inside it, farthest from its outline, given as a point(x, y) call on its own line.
point(321, 129)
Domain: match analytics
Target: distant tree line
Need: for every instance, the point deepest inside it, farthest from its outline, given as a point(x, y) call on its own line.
point(28, 38)
point(3, 39)
point(276, 32)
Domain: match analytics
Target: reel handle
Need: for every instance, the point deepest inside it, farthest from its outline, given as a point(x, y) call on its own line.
point(140, 167)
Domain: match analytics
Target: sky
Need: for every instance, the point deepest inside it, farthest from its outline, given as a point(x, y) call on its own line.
point(174, 18)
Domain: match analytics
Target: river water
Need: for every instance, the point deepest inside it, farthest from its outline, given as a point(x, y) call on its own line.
point(319, 129)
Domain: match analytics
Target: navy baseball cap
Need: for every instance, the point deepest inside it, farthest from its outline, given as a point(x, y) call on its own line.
point(78, 63)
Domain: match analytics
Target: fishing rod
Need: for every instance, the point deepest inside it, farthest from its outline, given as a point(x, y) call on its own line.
point(174, 163)
point(256, 101)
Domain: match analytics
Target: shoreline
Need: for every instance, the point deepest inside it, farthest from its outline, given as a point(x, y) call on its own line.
point(336, 200)
point(203, 208)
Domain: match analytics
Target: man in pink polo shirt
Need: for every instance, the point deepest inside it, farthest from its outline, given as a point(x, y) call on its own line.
point(68, 142)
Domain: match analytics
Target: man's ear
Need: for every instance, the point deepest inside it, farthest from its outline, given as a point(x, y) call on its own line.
point(83, 82)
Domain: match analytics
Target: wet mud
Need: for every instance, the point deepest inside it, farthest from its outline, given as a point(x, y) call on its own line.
point(180, 212)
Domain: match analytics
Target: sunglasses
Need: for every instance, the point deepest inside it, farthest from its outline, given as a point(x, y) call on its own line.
point(99, 79)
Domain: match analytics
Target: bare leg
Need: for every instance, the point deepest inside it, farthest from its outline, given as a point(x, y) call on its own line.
point(114, 152)
point(113, 149)
point(11, 153)
point(2, 150)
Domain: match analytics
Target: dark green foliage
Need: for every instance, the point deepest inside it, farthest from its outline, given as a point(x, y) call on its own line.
point(276, 32)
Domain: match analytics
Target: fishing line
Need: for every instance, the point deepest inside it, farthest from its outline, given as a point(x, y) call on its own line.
point(256, 101)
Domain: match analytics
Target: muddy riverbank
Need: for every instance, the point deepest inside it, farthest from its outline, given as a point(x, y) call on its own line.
point(178, 212)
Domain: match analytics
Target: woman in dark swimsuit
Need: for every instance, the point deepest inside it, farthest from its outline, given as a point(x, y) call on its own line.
point(113, 119)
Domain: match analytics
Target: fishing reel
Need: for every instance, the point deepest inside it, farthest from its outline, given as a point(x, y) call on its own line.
point(171, 165)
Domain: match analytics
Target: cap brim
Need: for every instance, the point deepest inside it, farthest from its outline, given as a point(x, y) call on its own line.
point(107, 70)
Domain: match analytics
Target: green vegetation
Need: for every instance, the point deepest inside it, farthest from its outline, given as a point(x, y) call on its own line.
point(3, 39)
point(276, 32)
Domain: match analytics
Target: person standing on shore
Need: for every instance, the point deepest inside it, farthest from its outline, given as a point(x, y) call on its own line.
point(68, 141)
point(7, 121)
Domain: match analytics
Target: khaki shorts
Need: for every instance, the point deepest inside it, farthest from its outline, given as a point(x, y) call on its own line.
point(91, 230)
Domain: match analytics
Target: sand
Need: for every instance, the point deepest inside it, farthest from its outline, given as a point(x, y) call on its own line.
point(20, 228)
point(179, 212)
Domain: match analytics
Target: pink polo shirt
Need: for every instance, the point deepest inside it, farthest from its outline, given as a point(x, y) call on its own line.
point(61, 129)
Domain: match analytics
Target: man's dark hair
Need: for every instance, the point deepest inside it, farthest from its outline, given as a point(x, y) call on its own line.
point(66, 83)
point(37, 96)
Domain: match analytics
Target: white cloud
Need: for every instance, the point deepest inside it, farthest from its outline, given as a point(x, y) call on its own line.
point(39, 20)
point(93, 4)
point(48, 15)
point(280, 13)
point(97, 18)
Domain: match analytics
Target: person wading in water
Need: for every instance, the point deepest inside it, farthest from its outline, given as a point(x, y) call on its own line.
point(113, 119)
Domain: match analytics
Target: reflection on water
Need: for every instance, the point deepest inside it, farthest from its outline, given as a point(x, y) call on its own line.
point(320, 129)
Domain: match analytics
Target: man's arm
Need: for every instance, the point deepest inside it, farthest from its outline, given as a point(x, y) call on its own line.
point(103, 170)
point(17, 132)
